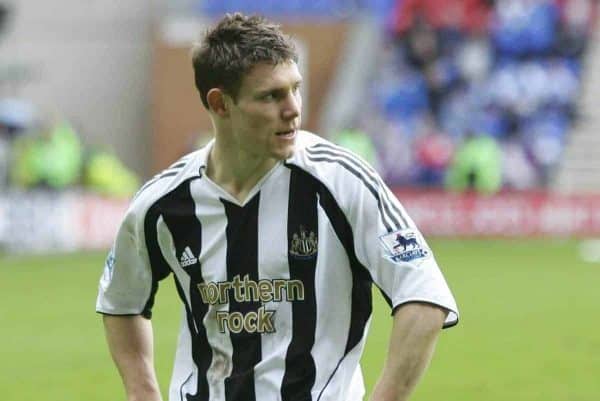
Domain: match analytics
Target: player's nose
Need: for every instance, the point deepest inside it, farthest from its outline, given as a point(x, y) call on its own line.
point(292, 106)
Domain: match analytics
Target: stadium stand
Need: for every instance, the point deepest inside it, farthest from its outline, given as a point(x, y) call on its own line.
point(579, 170)
point(510, 70)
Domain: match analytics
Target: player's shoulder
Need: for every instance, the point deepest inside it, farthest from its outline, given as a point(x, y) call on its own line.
point(323, 158)
point(307, 139)
point(187, 167)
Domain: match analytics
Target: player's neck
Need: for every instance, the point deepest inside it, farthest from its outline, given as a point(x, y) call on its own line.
point(236, 171)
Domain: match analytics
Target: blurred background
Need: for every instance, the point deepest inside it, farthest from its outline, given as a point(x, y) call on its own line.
point(483, 116)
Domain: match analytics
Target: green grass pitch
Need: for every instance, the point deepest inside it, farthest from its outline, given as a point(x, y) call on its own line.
point(529, 327)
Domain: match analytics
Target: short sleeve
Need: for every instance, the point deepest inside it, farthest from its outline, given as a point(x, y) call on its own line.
point(395, 252)
point(126, 285)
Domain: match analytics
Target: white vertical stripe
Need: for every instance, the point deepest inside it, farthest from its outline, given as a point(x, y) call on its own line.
point(334, 287)
point(213, 257)
point(184, 371)
point(273, 264)
point(347, 384)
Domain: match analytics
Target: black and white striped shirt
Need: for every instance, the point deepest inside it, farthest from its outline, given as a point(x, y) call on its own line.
point(276, 291)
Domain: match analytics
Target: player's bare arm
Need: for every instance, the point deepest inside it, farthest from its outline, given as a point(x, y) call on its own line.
point(130, 341)
point(414, 335)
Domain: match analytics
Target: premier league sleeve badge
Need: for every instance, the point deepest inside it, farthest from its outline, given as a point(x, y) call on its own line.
point(403, 246)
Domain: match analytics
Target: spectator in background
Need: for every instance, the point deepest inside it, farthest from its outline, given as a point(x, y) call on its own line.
point(434, 151)
point(517, 171)
point(422, 45)
point(469, 15)
point(477, 165)
point(16, 116)
point(52, 159)
point(423, 53)
point(106, 175)
point(431, 33)
point(359, 142)
point(52, 156)
point(578, 18)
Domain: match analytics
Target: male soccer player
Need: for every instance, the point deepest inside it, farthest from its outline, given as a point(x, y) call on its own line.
point(274, 237)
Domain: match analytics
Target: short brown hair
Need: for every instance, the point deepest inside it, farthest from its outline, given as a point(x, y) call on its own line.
point(235, 45)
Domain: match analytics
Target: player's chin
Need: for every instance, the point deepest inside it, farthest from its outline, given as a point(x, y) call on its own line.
point(283, 152)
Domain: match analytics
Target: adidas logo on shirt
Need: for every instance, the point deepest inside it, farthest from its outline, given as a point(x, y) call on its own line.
point(187, 258)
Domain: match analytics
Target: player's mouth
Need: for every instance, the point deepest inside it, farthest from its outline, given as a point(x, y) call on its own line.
point(289, 134)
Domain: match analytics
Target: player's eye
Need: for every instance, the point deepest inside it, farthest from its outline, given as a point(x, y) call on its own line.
point(269, 97)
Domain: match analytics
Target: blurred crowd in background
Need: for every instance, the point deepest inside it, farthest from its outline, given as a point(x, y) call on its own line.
point(42, 149)
point(478, 93)
point(468, 94)
point(38, 151)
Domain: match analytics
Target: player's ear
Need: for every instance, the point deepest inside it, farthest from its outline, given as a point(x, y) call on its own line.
point(217, 103)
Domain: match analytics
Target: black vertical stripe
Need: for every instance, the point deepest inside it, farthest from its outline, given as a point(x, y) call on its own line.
point(159, 266)
point(300, 370)
point(361, 278)
point(242, 260)
point(178, 211)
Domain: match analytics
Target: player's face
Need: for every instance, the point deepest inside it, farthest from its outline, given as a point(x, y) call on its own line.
point(266, 116)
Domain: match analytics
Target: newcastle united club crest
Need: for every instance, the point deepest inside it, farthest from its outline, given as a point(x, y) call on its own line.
point(403, 246)
point(304, 244)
